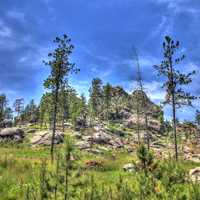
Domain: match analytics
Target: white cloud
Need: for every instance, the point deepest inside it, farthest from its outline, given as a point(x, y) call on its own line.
point(5, 31)
point(153, 89)
point(179, 6)
point(20, 16)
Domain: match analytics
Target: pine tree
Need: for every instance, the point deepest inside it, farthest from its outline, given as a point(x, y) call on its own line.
point(96, 97)
point(176, 96)
point(107, 99)
point(3, 103)
point(60, 69)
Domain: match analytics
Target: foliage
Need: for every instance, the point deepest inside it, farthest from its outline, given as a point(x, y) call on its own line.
point(60, 69)
point(175, 80)
point(27, 174)
point(145, 157)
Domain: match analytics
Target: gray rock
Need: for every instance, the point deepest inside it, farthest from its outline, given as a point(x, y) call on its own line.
point(44, 138)
point(83, 145)
point(94, 151)
point(129, 167)
point(125, 113)
point(12, 133)
point(101, 138)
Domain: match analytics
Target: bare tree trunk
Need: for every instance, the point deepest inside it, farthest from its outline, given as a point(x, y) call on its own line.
point(54, 122)
point(173, 107)
point(174, 126)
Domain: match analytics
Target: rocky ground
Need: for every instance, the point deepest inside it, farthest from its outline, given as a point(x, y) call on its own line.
point(105, 137)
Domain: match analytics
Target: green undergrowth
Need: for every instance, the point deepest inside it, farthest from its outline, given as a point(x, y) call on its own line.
point(28, 173)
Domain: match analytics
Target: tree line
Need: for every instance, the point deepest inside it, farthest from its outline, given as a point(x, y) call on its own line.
point(61, 103)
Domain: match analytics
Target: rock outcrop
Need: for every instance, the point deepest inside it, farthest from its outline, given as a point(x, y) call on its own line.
point(44, 138)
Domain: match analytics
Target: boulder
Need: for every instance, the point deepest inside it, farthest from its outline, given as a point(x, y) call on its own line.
point(83, 145)
point(101, 138)
point(94, 151)
point(15, 134)
point(116, 143)
point(195, 174)
point(44, 138)
point(129, 167)
point(153, 124)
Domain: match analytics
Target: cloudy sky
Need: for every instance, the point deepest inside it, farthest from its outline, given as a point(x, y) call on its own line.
point(103, 33)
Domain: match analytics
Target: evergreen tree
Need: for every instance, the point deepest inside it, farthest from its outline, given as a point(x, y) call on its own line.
point(197, 117)
point(60, 69)
point(3, 103)
point(107, 99)
point(176, 96)
point(64, 104)
point(8, 113)
point(96, 97)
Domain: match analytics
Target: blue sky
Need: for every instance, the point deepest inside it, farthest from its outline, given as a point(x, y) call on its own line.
point(103, 33)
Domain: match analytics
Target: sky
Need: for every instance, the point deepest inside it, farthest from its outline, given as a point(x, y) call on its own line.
point(103, 33)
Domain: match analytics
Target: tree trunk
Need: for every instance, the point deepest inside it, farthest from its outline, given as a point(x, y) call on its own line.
point(174, 126)
point(173, 106)
point(54, 122)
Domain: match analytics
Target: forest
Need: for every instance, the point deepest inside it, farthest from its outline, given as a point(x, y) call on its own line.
point(112, 145)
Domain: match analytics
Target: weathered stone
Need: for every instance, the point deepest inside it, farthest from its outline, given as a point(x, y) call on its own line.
point(15, 134)
point(83, 145)
point(129, 167)
point(44, 138)
point(94, 151)
point(101, 138)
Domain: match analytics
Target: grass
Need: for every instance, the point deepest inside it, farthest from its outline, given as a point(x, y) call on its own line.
point(21, 166)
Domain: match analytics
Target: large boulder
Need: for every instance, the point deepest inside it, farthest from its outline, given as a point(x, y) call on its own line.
point(44, 138)
point(154, 125)
point(12, 134)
